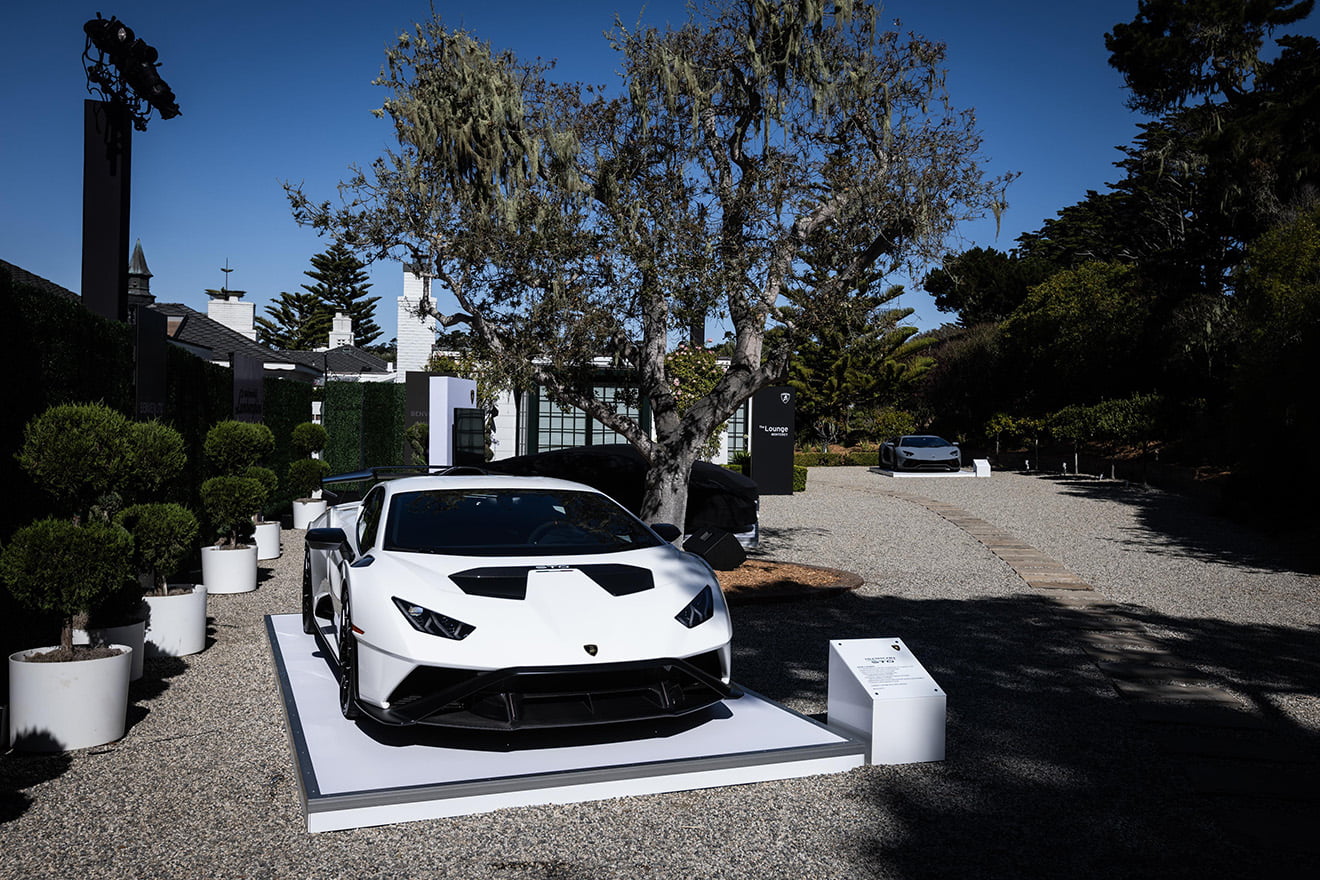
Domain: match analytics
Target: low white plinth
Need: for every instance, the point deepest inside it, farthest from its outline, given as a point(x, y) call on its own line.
point(981, 467)
point(881, 693)
point(267, 538)
point(354, 775)
point(923, 475)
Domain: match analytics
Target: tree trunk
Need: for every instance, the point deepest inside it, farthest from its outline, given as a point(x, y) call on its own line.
point(665, 500)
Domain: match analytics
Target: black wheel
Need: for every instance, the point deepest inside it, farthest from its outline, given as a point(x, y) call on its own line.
point(348, 680)
point(309, 620)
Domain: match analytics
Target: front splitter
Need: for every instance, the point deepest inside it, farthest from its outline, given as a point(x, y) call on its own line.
point(922, 475)
point(354, 775)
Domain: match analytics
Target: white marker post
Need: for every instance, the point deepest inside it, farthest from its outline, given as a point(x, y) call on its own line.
point(879, 691)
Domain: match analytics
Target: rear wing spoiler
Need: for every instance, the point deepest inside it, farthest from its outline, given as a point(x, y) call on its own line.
point(383, 473)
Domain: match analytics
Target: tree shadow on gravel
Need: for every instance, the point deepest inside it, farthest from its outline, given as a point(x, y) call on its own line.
point(1176, 525)
point(1049, 772)
point(786, 540)
point(21, 770)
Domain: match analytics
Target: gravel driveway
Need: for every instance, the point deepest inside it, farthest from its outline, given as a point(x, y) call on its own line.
point(1052, 769)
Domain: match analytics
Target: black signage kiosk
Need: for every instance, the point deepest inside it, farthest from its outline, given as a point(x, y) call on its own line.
point(771, 439)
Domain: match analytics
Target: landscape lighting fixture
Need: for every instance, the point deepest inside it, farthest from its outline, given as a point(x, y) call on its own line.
point(123, 71)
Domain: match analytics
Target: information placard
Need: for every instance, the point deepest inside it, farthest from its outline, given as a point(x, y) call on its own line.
point(880, 691)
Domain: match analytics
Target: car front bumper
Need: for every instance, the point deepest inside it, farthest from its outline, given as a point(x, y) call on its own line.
point(554, 696)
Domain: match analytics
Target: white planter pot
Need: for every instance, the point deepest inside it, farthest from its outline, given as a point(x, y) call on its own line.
point(306, 511)
point(131, 634)
point(55, 707)
point(228, 570)
point(176, 625)
point(267, 537)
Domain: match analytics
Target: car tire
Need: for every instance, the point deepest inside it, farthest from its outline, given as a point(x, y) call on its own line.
point(309, 620)
point(348, 675)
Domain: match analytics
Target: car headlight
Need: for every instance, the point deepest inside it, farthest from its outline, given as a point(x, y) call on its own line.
point(432, 622)
point(699, 610)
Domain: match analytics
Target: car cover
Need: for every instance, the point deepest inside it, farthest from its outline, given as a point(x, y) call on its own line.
point(717, 497)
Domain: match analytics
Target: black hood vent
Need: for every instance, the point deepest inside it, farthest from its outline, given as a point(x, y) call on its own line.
point(510, 582)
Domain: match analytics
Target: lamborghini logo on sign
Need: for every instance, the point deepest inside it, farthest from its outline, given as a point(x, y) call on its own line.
point(590, 649)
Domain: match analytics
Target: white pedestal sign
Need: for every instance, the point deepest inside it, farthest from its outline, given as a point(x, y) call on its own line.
point(879, 691)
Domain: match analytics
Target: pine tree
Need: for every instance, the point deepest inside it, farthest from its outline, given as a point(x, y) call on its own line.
point(296, 322)
point(341, 286)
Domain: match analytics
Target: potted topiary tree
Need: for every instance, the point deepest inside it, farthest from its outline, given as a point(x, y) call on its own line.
point(232, 501)
point(156, 456)
point(71, 696)
point(306, 472)
point(163, 535)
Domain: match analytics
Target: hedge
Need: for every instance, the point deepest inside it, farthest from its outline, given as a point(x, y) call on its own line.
point(364, 425)
point(867, 458)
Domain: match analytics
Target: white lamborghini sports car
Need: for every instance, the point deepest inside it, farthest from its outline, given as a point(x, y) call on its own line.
point(920, 452)
point(476, 600)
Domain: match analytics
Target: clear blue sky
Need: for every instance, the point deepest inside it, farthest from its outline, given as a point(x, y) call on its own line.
point(281, 90)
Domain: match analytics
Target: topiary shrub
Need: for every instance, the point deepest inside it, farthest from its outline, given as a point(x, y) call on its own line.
point(232, 447)
point(79, 453)
point(158, 457)
point(163, 535)
point(799, 478)
point(56, 566)
point(268, 480)
point(305, 476)
point(308, 439)
point(231, 503)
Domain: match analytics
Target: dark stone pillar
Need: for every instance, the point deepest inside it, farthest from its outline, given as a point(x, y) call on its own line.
point(107, 164)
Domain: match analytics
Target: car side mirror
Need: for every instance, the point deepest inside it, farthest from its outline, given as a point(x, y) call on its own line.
point(667, 531)
point(326, 538)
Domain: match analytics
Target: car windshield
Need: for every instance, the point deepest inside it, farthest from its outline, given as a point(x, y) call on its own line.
point(511, 522)
point(924, 442)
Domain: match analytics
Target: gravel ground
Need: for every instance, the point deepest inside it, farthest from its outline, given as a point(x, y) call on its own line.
point(1050, 772)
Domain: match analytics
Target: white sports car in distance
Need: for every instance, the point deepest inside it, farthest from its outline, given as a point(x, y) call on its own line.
point(920, 452)
point(476, 600)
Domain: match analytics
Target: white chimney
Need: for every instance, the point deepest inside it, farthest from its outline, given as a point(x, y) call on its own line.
point(234, 314)
point(415, 336)
point(341, 330)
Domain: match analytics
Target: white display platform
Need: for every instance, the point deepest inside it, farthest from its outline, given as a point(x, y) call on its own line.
point(922, 475)
point(880, 692)
point(354, 775)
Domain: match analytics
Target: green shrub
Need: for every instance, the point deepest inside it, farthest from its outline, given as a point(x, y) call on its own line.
point(305, 476)
point(418, 438)
point(799, 479)
point(163, 536)
point(265, 476)
point(55, 566)
point(231, 503)
point(78, 453)
point(158, 457)
point(232, 447)
point(308, 438)
point(867, 458)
